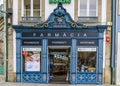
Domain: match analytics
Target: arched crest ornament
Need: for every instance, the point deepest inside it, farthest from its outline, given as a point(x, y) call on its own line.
point(59, 18)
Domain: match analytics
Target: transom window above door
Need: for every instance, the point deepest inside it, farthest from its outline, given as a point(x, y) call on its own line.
point(88, 8)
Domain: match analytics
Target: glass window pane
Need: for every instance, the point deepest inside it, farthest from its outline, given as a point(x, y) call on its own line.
point(27, 7)
point(92, 8)
point(86, 60)
point(83, 7)
point(36, 8)
point(31, 59)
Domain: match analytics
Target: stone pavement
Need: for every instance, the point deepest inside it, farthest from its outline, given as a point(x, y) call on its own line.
point(36, 84)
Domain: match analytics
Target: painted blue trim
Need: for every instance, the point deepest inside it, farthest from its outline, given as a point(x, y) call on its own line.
point(90, 38)
point(33, 77)
point(100, 58)
point(45, 59)
point(18, 57)
point(31, 28)
point(73, 62)
point(86, 77)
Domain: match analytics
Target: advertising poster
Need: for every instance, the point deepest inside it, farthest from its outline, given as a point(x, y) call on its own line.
point(31, 57)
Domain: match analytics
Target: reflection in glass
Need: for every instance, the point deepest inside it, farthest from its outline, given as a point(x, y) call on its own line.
point(86, 61)
point(59, 62)
point(31, 59)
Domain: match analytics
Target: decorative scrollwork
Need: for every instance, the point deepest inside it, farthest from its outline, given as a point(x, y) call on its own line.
point(86, 77)
point(73, 25)
point(60, 18)
point(46, 25)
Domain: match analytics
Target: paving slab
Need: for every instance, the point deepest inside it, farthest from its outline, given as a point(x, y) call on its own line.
point(37, 84)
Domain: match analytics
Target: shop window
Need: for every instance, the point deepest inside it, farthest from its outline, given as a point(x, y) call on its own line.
point(31, 59)
point(87, 60)
point(88, 8)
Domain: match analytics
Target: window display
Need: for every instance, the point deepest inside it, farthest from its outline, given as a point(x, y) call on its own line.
point(86, 59)
point(31, 59)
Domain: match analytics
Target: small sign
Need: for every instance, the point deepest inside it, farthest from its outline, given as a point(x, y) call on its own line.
point(59, 1)
point(59, 42)
point(31, 49)
point(87, 42)
point(31, 42)
point(87, 49)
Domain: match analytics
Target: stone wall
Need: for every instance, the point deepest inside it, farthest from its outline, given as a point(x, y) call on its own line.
point(107, 69)
point(11, 74)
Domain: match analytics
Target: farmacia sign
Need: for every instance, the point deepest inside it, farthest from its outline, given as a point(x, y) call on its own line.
point(60, 1)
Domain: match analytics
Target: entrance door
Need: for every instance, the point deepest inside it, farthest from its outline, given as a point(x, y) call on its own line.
point(59, 59)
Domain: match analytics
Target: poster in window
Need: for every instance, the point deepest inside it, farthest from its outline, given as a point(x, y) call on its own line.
point(31, 59)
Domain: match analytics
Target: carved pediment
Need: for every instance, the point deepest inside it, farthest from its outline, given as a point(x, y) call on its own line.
point(59, 18)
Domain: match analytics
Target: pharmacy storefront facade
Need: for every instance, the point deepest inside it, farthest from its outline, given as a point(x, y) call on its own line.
point(59, 50)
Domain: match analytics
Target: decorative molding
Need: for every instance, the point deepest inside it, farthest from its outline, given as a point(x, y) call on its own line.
point(60, 18)
point(101, 28)
point(86, 77)
point(32, 77)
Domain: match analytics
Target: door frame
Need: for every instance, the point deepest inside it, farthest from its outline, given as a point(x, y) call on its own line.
point(58, 47)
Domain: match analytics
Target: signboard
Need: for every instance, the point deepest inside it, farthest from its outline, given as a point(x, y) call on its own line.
point(31, 42)
point(87, 49)
point(87, 42)
point(59, 1)
point(60, 34)
point(59, 42)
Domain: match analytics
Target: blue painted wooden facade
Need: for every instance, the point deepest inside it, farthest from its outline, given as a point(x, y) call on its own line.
point(59, 22)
